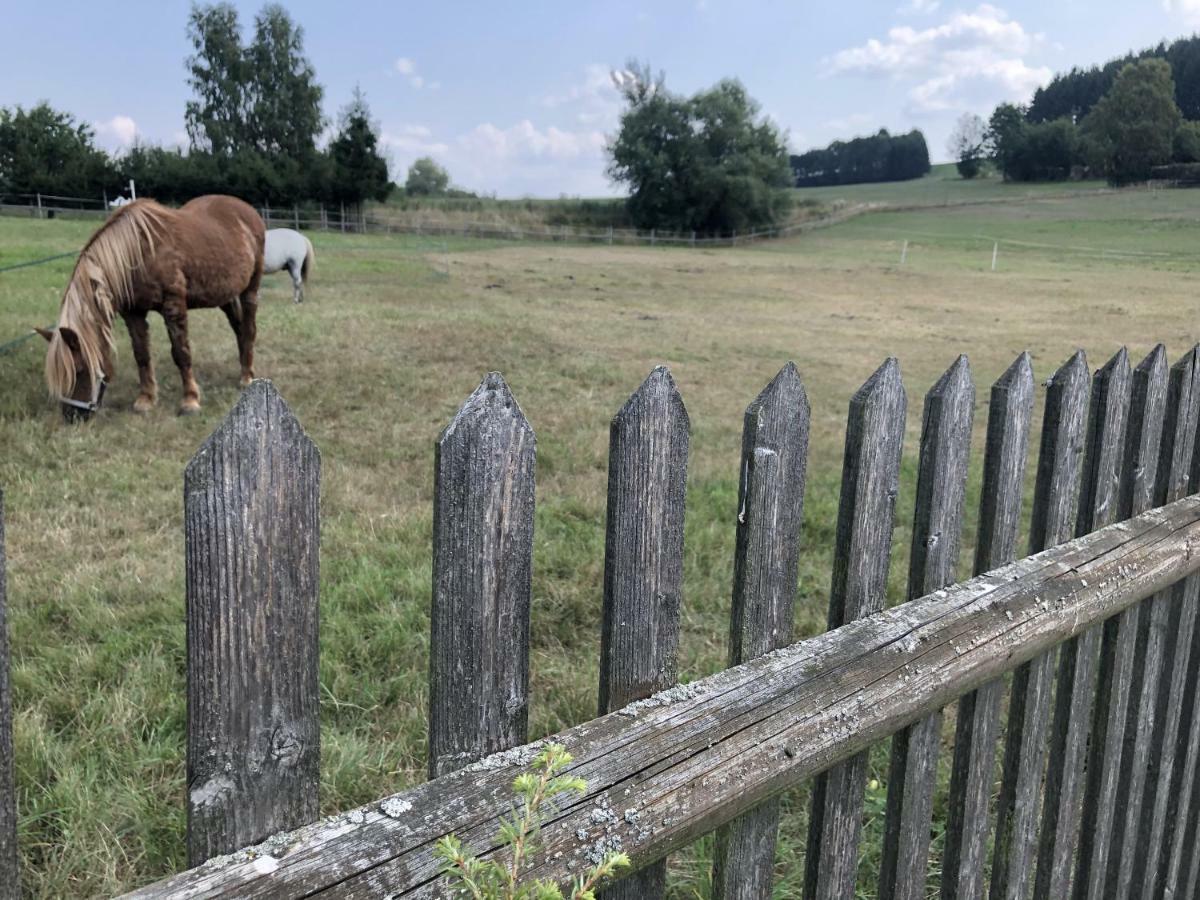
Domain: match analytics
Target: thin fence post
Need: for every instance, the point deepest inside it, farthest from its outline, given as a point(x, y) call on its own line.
point(296, 216)
point(1102, 833)
point(643, 564)
point(10, 885)
point(1079, 658)
point(870, 478)
point(41, 214)
point(651, 237)
point(937, 532)
point(610, 235)
point(995, 253)
point(324, 219)
point(482, 559)
point(1127, 866)
point(252, 545)
point(978, 715)
point(267, 213)
point(1159, 806)
point(770, 511)
point(1054, 512)
point(342, 218)
point(904, 252)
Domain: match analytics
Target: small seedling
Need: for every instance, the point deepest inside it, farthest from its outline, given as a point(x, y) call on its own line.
point(487, 879)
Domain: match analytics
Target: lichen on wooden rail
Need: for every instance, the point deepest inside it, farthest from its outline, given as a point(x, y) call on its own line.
point(675, 770)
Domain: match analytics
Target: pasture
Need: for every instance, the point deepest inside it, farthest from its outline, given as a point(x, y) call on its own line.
point(396, 332)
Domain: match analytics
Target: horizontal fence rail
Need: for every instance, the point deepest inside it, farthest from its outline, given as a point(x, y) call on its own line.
point(688, 759)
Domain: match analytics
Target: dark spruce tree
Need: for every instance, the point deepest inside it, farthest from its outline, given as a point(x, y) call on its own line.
point(880, 157)
point(359, 170)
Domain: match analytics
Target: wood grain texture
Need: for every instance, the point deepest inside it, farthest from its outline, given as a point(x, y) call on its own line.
point(482, 563)
point(1172, 616)
point(643, 563)
point(1079, 658)
point(977, 729)
point(1169, 747)
point(937, 532)
point(866, 514)
point(1143, 433)
point(252, 533)
point(10, 883)
point(770, 512)
point(692, 758)
point(1054, 513)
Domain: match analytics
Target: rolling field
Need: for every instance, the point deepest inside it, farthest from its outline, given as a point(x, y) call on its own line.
point(397, 332)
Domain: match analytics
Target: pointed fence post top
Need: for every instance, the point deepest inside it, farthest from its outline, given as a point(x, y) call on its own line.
point(1020, 371)
point(1155, 361)
point(259, 415)
point(491, 402)
point(954, 380)
point(1070, 373)
point(658, 388)
point(785, 393)
point(884, 383)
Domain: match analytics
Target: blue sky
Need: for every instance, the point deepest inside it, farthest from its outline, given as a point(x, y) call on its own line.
point(516, 98)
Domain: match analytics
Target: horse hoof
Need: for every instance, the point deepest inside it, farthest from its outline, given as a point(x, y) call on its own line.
point(246, 379)
point(143, 405)
point(189, 407)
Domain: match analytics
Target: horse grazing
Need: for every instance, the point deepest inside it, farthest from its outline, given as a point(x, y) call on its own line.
point(147, 258)
point(287, 249)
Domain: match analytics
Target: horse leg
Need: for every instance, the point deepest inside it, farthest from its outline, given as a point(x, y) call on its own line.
point(139, 334)
point(174, 313)
point(297, 282)
point(247, 330)
point(233, 312)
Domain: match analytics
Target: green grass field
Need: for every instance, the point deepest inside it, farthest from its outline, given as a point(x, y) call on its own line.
point(397, 332)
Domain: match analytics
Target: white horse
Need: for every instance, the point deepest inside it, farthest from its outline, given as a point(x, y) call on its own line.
point(287, 249)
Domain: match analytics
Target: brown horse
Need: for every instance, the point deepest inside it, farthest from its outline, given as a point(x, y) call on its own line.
point(147, 258)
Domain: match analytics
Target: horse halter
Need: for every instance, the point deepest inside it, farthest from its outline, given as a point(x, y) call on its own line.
point(99, 385)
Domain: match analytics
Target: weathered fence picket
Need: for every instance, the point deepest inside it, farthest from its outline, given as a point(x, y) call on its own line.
point(770, 511)
point(1148, 396)
point(978, 717)
point(1182, 600)
point(866, 513)
point(936, 536)
point(252, 543)
point(1078, 660)
point(10, 885)
point(1054, 505)
point(643, 563)
point(482, 565)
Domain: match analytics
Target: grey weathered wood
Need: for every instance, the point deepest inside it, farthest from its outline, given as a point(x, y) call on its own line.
point(643, 563)
point(10, 885)
point(1102, 831)
point(252, 533)
point(1172, 719)
point(1187, 755)
point(1054, 512)
point(770, 511)
point(1079, 657)
point(691, 758)
point(482, 562)
point(1169, 483)
point(866, 513)
point(936, 537)
point(977, 728)
point(1170, 621)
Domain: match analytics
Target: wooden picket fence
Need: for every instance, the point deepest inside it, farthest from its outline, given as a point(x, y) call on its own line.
point(1097, 792)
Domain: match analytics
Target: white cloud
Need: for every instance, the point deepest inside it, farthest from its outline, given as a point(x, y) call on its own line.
point(117, 132)
point(408, 68)
point(972, 58)
point(405, 66)
point(1188, 10)
point(919, 7)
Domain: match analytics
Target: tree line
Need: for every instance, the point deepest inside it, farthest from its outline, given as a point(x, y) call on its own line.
point(1129, 120)
point(253, 124)
point(880, 157)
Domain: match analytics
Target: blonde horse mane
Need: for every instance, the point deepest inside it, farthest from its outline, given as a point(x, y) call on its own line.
point(100, 287)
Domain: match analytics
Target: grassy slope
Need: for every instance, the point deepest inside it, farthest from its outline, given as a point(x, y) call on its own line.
point(397, 333)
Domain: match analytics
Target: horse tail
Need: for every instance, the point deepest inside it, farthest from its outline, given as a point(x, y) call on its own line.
point(310, 257)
